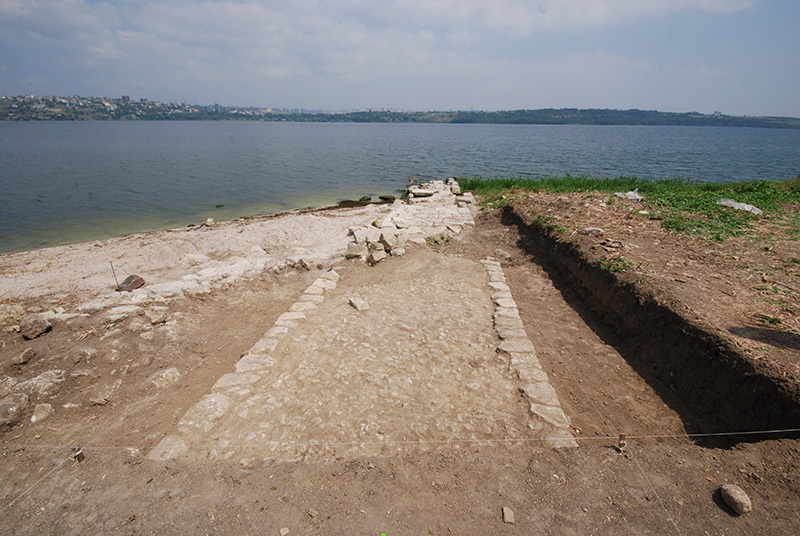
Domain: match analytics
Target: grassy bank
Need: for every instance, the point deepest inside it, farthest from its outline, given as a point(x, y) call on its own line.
point(681, 205)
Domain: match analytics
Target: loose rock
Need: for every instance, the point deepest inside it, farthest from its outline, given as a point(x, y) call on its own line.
point(508, 515)
point(389, 240)
point(34, 325)
point(24, 357)
point(11, 310)
point(376, 256)
point(101, 395)
point(359, 304)
point(156, 316)
point(736, 498)
point(12, 407)
point(165, 377)
point(41, 384)
point(41, 412)
point(355, 251)
point(595, 231)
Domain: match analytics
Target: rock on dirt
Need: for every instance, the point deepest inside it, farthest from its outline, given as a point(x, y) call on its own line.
point(354, 251)
point(736, 498)
point(165, 377)
point(12, 407)
point(41, 384)
point(101, 394)
point(41, 412)
point(34, 325)
point(508, 515)
point(24, 357)
point(359, 304)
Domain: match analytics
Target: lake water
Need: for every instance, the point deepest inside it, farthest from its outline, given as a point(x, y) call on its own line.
point(65, 182)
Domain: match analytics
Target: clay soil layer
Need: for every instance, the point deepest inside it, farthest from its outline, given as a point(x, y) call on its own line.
point(670, 352)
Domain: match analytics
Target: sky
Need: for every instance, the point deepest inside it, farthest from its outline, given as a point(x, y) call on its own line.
point(738, 57)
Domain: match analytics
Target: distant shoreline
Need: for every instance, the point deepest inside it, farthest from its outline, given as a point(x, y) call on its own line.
point(55, 108)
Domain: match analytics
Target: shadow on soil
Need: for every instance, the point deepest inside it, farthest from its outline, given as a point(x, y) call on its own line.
point(773, 337)
point(713, 388)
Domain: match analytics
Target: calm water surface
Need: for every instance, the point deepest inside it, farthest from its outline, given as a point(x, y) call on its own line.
point(69, 182)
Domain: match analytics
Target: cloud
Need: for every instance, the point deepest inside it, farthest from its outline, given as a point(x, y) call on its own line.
point(416, 54)
point(57, 19)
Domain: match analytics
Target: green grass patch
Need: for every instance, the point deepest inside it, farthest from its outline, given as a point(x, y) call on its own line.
point(616, 264)
point(549, 223)
point(683, 206)
point(770, 320)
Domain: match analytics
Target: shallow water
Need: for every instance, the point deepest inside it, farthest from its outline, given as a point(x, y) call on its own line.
point(64, 182)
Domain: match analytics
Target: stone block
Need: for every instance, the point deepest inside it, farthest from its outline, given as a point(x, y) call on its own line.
point(264, 345)
point(500, 287)
point(303, 307)
point(389, 240)
point(254, 363)
point(235, 380)
point(203, 416)
point(356, 251)
point(330, 275)
point(551, 415)
point(541, 393)
point(376, 256)
point(505, 302)
point(169, 448)
point(516, 346)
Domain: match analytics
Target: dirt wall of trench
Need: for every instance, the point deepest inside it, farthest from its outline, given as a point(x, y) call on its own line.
point(712, 386)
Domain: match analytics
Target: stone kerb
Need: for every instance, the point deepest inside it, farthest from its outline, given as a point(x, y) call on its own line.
point(201, 418)
point(545, 413)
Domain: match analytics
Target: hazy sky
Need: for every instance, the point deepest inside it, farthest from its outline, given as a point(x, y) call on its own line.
point(740, 57)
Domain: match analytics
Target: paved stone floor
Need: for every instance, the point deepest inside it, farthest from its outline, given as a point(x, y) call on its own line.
point(433, 361)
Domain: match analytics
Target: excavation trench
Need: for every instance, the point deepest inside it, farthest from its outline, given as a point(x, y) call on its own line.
point(715, 389)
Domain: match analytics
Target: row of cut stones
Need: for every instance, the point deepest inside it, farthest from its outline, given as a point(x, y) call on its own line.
point(203, 416)
point(547, 417)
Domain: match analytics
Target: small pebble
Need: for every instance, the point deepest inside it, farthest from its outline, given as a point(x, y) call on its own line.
point(508, 515)
point(284, 531)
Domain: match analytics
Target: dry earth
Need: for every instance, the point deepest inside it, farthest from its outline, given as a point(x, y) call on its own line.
point(451, 445)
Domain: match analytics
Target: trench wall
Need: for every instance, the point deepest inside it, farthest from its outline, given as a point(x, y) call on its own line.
point(713, 387)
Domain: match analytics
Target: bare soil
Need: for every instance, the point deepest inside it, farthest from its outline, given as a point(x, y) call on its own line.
point(608, 381)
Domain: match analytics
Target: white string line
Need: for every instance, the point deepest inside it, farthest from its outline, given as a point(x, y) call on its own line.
point(25, 492)
point(608, 423)
point(506, 440)
point(136, 408)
